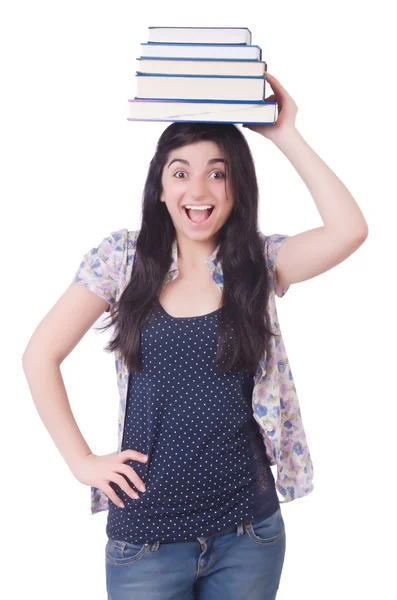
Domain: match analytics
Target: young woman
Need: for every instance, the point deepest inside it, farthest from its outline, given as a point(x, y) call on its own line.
point(207, 399)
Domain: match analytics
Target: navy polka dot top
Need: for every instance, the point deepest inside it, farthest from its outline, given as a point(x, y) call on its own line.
point(207, 467)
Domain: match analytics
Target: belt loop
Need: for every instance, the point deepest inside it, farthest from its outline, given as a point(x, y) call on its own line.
point(155, 546)
point(240, 529)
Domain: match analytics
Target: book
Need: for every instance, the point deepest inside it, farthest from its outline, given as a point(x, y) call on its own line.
point(200, 87)
point(200, 35)
point(201, 51)
point(194, 111)
point(199, 81)
point(203, 66)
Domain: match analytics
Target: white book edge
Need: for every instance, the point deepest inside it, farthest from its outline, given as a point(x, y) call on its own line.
point(202, 112)
point(241, 35)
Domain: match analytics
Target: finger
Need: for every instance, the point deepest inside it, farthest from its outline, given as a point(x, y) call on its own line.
point(133, 455)
point(252, 127)
point(277, 85)
point(121, 482)
point(132, 476)
point(111, 495)
point(140, 456)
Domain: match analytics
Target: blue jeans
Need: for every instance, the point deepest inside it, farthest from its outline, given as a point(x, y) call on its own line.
point(240, 562)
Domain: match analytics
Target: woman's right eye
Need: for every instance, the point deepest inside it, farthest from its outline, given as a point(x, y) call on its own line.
point(177, 174)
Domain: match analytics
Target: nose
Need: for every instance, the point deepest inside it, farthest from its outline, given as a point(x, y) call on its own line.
point(197, 188)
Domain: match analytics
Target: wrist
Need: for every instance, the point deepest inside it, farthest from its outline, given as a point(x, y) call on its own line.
point(286, 137)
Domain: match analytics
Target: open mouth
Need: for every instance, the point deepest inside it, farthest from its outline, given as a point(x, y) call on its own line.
point(198, 217)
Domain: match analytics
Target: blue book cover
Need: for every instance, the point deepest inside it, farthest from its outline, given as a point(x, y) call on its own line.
point(200, 111)
point(200, 77)
point(208, 29)
point(204, 46)
point(197, 59)
point(201, 101)
point(199, 64)
point(142, 74)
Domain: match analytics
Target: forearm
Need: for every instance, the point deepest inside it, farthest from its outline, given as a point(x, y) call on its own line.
point(337, 207)
point(50, 398)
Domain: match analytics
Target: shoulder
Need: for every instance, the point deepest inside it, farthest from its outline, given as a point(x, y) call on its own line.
point(271, 246)
point(110, 251)
point(122, 244)
point(118, 241)
point(132, 236)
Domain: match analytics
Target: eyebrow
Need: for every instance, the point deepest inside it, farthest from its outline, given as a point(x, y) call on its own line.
point(186, 162)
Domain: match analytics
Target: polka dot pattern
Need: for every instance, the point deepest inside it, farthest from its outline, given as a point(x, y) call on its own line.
point(207, 467)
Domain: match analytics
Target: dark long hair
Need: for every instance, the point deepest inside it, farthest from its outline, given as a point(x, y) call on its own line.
point(241, 252)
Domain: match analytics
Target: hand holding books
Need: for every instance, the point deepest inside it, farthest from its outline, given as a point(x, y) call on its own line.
point(287, 110)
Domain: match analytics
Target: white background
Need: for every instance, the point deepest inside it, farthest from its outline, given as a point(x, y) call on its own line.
point(73, 170)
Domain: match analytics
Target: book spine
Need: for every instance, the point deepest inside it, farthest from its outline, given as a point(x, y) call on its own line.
point(141, 74)
point(202, 101)
point(176, 27)
point(246, 29)
point(197, 44)
point(238, 60)
point(244, 60)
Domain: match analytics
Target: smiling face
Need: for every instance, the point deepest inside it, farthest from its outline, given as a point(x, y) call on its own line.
point(196, 174)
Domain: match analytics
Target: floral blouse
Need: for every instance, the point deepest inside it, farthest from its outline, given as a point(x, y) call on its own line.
point(106, 270)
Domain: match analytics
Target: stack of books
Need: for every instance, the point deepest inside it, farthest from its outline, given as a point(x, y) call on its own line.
point(206, 74)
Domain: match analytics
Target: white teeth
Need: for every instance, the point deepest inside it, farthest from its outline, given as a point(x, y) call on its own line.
point(198, 207)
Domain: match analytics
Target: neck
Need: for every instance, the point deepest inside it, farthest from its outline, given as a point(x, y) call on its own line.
point(192, 254)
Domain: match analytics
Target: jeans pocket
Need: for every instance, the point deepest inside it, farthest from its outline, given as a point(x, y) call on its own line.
point(267, 531)
point(119, 552)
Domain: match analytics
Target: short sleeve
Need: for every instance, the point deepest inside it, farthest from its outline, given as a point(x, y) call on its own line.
point(99, 270)
point(272, 246)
